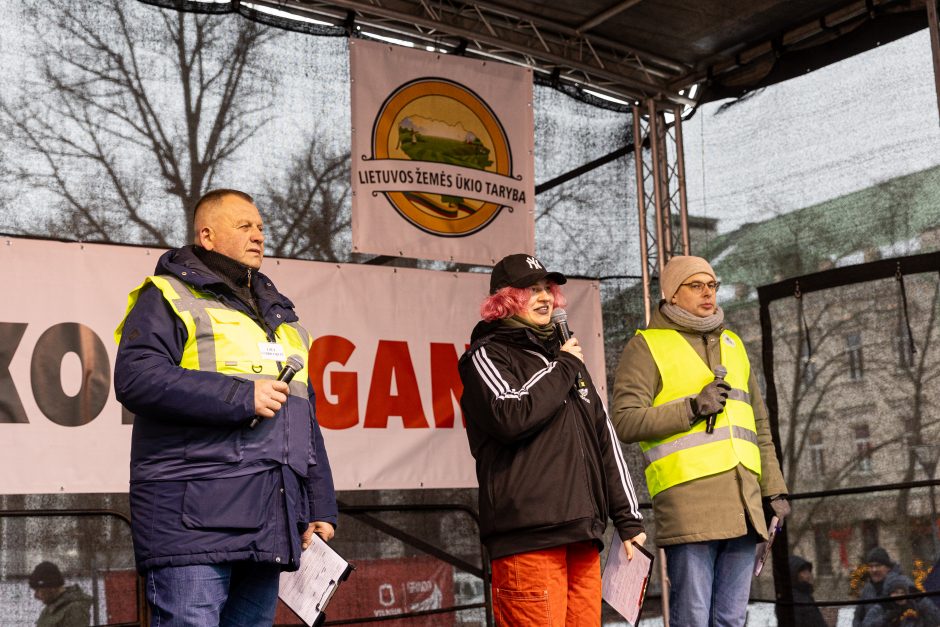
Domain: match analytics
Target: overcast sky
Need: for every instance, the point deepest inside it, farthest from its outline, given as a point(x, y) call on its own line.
point(836, 130)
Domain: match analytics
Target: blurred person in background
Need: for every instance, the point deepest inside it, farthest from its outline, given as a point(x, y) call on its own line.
point(801, 578)
point(879, 567)
point(64, 606)
point(901, 612)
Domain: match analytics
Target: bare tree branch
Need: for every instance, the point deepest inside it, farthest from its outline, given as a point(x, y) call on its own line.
point(101, 125)
point(307, 208)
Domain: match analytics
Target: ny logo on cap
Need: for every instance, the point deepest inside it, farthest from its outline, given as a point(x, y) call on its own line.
point(533, 263)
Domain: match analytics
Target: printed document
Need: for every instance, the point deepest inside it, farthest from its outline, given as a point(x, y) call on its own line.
point(308, 590)
point(624, 582)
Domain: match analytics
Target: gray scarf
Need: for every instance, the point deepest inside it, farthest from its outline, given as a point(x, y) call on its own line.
point(692, 322)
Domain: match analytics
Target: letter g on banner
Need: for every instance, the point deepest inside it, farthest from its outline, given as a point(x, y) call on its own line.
point(46, 374)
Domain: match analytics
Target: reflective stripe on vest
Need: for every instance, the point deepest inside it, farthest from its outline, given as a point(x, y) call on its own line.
point(694, 454)
point(225, 340)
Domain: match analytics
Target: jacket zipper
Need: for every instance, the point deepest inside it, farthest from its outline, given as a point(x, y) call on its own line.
point(272, 337)
point(584, 463)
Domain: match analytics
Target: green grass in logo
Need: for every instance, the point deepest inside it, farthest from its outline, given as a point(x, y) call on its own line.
point(420, 147)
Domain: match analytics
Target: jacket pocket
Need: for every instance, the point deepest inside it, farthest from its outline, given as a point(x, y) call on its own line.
point(232, 503)
point(522, 607)
point(215, 445)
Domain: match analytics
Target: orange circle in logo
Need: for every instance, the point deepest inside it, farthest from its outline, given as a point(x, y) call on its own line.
point(439, 121)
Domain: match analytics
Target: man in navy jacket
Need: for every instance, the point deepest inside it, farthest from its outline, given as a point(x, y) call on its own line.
point(219, 505)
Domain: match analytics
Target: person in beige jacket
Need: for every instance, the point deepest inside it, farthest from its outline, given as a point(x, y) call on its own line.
point(706, 504)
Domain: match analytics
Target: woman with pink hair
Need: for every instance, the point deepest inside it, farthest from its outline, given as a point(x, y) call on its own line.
point(549, 466)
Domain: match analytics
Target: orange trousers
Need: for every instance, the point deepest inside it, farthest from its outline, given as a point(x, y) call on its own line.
point(556, 587)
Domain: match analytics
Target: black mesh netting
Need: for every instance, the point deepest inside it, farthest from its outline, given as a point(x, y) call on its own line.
point(801, 177)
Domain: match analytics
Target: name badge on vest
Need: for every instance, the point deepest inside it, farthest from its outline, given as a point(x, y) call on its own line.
point(271, 350)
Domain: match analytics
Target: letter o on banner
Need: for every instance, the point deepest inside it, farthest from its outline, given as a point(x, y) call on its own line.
point(46, 374)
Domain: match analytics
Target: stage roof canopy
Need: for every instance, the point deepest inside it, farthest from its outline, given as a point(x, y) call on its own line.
point(636, 49)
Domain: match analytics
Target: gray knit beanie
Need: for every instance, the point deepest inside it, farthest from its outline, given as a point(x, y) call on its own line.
point(678, 269)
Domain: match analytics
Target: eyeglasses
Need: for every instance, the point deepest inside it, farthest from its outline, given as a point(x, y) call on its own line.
point(698, 287)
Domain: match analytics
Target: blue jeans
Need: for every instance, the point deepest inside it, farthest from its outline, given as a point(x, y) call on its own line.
point(710, 582)
point(240, 594)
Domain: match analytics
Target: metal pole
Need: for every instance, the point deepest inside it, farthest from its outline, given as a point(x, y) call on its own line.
point(667, 242)
point(934, 28)
point(641, 208)
point(662, 245)
point(680, 175)
point(933, 521)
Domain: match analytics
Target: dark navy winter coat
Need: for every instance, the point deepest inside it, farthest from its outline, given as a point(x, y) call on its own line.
point(206, 489)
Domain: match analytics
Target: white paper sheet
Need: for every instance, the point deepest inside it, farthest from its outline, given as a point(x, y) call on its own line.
point(624, 582)
point(308, 590)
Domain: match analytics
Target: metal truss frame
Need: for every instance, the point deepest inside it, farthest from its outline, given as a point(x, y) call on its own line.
point(480, 28)
point(575, 54)
point(660, 191)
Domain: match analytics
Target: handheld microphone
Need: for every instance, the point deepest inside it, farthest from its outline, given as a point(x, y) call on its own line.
point(720, 373)
point(294, 364)
point(560, 322)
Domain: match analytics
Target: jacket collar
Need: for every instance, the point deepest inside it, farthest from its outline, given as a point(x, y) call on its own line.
point(519, 336)
point(186, 266)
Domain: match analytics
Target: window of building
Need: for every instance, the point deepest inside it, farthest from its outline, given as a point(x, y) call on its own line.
point(869, 530)
point(862, 448)
point(823, 549)
point(816, 452)
point(853, 350)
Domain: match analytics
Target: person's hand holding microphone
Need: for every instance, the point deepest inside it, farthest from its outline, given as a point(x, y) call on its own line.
point(569, 343)
point(271, 395)
point(710, 402)
point(572, 346)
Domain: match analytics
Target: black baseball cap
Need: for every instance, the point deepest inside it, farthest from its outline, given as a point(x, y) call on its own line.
point(521, 270)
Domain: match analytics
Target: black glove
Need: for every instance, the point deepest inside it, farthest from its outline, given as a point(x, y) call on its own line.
point(711, 400)
point(781, 507)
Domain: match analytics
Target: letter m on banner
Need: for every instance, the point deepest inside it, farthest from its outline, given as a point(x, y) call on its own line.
point(442, 164)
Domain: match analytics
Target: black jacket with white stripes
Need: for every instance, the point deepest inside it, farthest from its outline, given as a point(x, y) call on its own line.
point(548, 463)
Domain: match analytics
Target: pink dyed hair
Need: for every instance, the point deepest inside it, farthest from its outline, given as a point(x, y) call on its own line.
point(508, 301)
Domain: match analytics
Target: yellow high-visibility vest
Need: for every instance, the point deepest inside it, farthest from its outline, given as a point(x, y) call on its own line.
point(694, 453)
point(225, 340)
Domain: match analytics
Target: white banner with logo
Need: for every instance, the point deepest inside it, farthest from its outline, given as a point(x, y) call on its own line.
point(442, 155)
point(383, 364)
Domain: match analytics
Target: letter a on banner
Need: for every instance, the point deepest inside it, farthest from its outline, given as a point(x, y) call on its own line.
point(442, 164)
